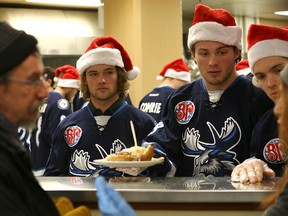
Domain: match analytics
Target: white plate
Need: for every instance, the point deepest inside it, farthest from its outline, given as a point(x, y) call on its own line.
point(117, 164)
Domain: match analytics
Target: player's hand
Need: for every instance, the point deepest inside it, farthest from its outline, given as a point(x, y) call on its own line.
point(110, 202)
point(252, 170)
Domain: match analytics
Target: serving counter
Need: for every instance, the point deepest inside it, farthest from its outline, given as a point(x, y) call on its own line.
point(185, 193)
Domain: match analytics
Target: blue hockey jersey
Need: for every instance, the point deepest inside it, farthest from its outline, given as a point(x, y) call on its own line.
point(265, 142)
point(204, 138)
point(153, 103)
point(55, 109)
point(79, 140)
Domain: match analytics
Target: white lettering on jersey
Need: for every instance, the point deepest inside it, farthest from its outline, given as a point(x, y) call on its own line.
point(154, 95)
point(151, 107)
point(42, 108)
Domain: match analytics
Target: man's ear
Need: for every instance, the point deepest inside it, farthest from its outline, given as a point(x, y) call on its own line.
point(193, 56)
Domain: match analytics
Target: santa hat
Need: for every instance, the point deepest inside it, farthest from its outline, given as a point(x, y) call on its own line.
point(67, 76)
point(243, 67)
point(176, 69)
point(107, 50)
point(264, 41)
point(214, 25)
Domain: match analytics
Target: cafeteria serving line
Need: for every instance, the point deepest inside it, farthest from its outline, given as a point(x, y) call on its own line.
point(181, 194)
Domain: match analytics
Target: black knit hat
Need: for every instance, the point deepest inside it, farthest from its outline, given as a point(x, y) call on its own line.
point(15, 47)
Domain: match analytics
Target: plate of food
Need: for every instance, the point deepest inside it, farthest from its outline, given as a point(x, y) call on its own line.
point(132, 160)
point(118, 164)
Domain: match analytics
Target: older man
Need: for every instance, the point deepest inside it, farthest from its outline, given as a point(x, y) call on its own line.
point(22, 91)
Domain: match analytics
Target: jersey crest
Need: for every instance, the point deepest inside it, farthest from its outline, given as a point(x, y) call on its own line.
point(272, 151)
point(81, 165)
point(72, 135)
point(63, 104)
point(184, 111)
point(212, 157)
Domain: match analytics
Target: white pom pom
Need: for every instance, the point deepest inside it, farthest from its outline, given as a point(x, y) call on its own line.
point(133, 74)
point(159, 77)
point(56, 79)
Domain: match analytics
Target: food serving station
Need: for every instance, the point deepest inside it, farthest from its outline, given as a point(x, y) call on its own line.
point(174, 193)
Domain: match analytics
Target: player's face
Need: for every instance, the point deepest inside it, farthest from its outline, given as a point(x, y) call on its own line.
point(267, 75)
point(102, 83)
point(216, 62)
point(24, 93)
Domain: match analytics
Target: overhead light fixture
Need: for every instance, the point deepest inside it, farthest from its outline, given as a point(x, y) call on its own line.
point(283, 13)
point(83, 3)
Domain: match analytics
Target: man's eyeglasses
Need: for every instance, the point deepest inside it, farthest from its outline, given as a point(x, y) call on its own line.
point(35, 83)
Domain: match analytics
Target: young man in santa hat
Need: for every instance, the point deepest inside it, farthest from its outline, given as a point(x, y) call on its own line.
point(267, 55)
point(57, 106)
point(173, 75)
point(104, 126)
point(207, 125)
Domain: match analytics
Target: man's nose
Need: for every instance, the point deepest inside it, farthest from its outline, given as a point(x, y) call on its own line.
point(42, 91)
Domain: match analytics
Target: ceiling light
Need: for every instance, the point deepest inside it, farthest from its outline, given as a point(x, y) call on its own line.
point(283, 13)
point(87, 3)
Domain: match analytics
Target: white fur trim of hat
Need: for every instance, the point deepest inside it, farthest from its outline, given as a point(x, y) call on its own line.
point(213, 31)
point(100, 55)
point(181, 75)
point(266, 48)
point(68, 83)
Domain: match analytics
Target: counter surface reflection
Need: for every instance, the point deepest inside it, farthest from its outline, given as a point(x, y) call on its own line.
point(162, 190)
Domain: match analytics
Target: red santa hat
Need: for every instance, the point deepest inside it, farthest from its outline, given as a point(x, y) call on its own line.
point(243, 67)
point(67, 76)
point(175, 69)
point(214, 25)
point(264, 41)
point(107, 50)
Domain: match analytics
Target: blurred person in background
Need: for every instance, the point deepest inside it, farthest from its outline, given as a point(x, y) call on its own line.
point(174, 75)
point(267, 56)
point(56, 107)
point(25, 135)
point(243, 68)
point(48, 75)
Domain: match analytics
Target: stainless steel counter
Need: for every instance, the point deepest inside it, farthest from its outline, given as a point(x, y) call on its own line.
point(162, 190)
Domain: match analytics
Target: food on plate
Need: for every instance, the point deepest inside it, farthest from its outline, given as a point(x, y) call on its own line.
point(135, 153)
